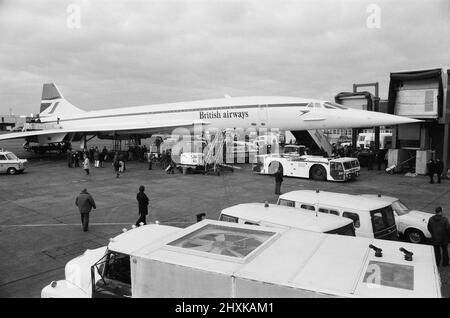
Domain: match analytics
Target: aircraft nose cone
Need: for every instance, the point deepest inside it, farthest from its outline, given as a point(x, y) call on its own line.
point(388, 119)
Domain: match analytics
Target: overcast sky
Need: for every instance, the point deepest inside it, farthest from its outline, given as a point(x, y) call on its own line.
point(129, 53)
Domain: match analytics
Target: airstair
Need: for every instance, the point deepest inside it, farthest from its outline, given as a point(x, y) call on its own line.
point(315, 140)
point(214, 156)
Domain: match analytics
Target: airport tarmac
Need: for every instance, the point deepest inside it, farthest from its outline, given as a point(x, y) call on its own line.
point(40, 226)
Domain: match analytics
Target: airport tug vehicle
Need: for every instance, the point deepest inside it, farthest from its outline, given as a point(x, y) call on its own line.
point(213, 259)
point(312, 167)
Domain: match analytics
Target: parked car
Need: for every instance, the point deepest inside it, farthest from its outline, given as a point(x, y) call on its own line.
point(10, 163)
point(412, 224)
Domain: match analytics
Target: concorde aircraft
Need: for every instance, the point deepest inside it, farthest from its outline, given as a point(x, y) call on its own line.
point(60, 121)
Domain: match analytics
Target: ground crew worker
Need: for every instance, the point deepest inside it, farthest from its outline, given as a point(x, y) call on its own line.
point(104, 155)
point(149, 159)
point(278, 180)
point(116, 164)
point(86, 164)
point(85, 202)
point(440, 231)
point(431, 166)
point(143, 201)
point(370, 159)
point(69, 159)
point(439, 169)
point(96, 158)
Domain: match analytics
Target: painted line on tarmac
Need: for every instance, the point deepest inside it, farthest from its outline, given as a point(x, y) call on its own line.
point(79, 224)
point(58, 224)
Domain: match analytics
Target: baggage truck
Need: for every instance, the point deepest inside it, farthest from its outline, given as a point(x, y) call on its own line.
point(213, 259)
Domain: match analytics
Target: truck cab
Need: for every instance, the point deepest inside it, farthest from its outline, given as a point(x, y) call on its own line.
point(105, 272)
point(10, 163)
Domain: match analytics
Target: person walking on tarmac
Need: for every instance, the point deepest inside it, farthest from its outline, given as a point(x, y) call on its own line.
point(85, 202)
point(116, 164)
point(143, 201)
point(278, 180)
point(439, 166)
point(431, 166)
point(86, 164)
point(440, 231)
point(370, 158)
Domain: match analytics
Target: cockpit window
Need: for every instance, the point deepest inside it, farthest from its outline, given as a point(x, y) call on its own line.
point(331, 105)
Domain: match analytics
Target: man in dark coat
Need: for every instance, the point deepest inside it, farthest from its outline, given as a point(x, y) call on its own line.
point(278, 180)
point(143, 205)
point(440, 230)
point(439, 166)
point(431, 166)
point(85, 203)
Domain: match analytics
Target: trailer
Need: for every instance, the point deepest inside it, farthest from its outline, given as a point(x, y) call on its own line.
point(312, 167)
point(213, 259)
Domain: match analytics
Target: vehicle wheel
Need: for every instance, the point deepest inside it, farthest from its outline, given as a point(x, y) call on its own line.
point(414, 236)
point(12, 171)
point(318, 173)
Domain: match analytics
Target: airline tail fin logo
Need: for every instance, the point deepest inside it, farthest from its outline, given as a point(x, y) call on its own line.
point(53, 103)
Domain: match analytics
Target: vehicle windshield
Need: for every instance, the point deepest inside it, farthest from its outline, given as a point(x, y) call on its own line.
point(347, 165)
point(336, 166)
point(382, 219)
point(399, 207)
point(115, 276)
point(11, 156)
point(348, 230)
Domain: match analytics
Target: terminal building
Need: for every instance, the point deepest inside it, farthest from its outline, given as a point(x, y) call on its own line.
point(9, 122)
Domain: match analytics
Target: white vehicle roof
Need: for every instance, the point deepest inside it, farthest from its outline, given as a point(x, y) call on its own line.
point(342, 159)
point(251, 261)
point(383, 198)
point(342, 200)
point(284, 217)
point(135, 239)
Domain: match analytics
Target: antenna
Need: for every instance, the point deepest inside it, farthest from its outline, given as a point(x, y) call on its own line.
point(377, 250)
point(408, 254)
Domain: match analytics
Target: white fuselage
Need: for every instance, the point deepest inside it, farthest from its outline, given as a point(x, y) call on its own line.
point(284, 113)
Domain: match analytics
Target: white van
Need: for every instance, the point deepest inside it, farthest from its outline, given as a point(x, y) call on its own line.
point(273, 215)
point(372, 218)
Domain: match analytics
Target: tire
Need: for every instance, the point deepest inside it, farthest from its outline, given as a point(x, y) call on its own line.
point(318, 172)
point(11, 171)
point(414, 236)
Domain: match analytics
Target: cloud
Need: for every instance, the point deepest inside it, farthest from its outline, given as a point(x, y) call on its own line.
point(144, 52)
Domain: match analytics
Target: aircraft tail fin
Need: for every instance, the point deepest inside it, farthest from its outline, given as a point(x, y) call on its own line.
point(53, 103)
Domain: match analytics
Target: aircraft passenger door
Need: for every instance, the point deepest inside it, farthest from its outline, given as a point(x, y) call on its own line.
point(262, 115)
